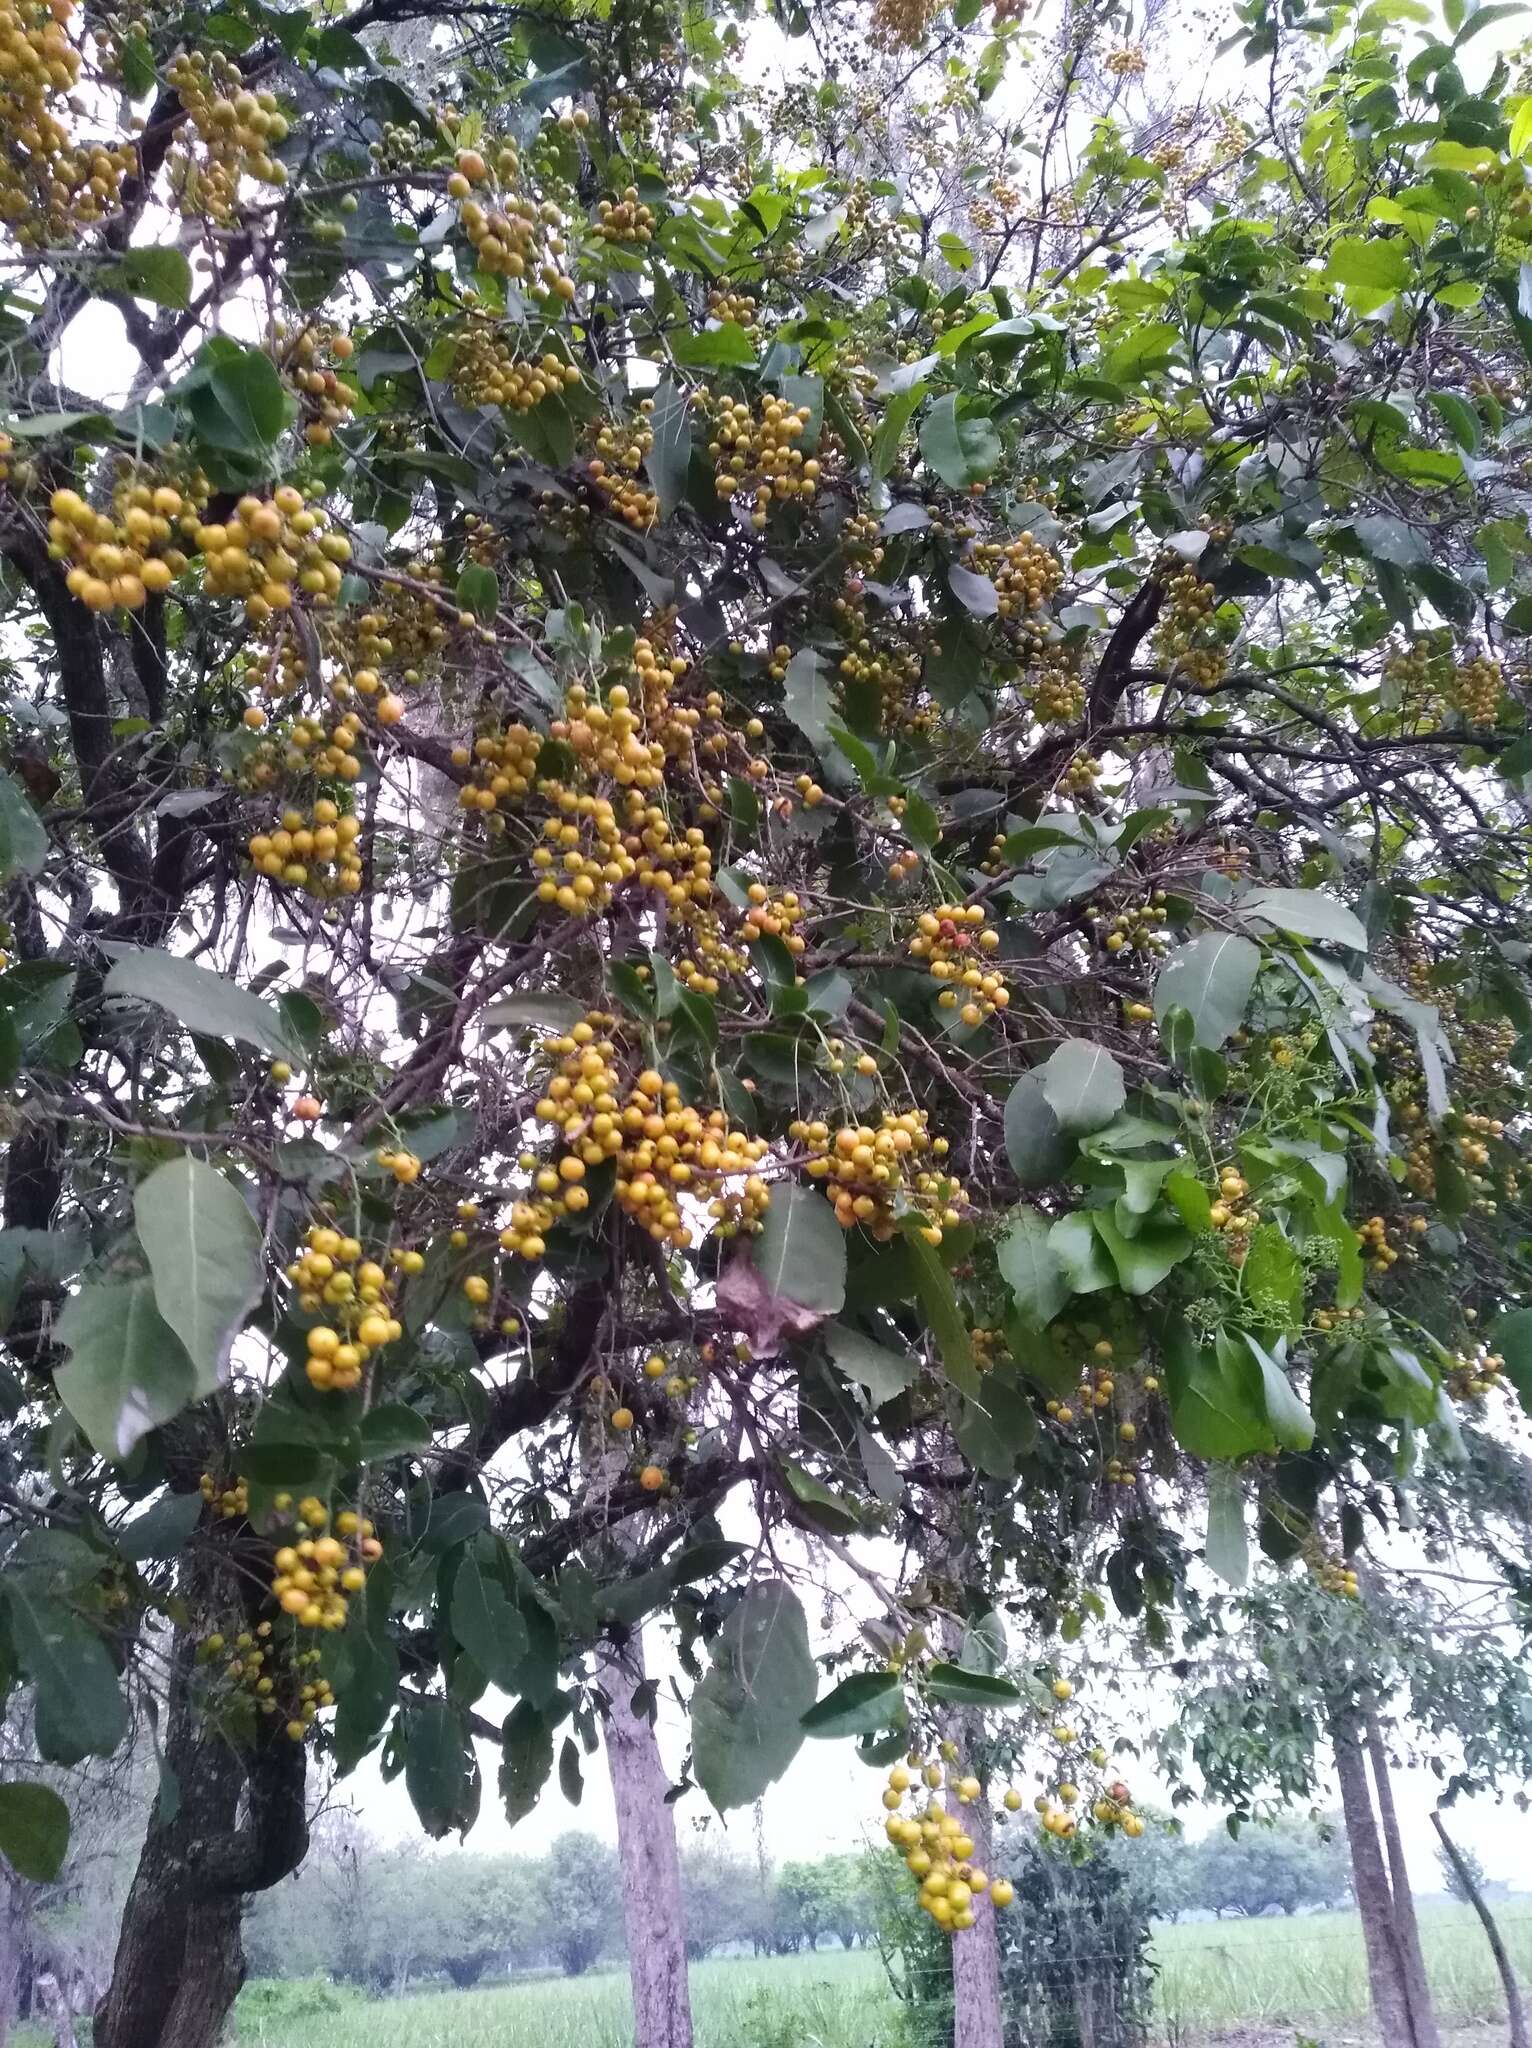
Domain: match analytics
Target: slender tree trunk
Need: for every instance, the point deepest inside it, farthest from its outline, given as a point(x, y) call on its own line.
point(651, 1865)
point(1515, 2011)
point(976, 2015)
point(56, 2005)
point(12, 1934)
point(1385, 1971)
point(1406, 1923)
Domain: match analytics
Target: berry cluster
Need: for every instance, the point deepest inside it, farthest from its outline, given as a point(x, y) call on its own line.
point(1053, 691)
point(624, 219)
point(51, 186)
point(486, 371)
point(620, 452)
point(235, 132)
point(1188, 638)
point(125, 556)
point(522, 238)
point(317, 851)
point(1023, 571)
point(313, 1577)
point(270, 549)
point(876, 1175)
point(227, 1502)
point(1476, 687)
point(947, 941)
point(760, 455)
point(331, 1275)
point(1137, 928)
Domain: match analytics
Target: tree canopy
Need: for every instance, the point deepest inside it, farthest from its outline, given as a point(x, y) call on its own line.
point(740, 818)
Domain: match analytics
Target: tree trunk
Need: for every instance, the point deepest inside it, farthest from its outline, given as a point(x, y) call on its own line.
point(651, 1866)
point(56, 2005)
point(12, 1934)
point(977, 2021)
point(1406, 1924)
point(1375, 1904)
point(1515, 2012)
point(179, 1960)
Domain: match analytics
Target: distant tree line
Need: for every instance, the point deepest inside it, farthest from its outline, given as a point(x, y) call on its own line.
point(383, 1917)
point(378, 1917)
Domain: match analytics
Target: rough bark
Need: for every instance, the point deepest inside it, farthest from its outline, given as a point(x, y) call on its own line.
point(1515, 2011)
point(1374, 1898)
point(651, 1864)
point(1406, 1924)
point(234, 1823)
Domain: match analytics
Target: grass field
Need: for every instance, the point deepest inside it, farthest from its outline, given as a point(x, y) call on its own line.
point(1312, 1973)
point(1306, 1974)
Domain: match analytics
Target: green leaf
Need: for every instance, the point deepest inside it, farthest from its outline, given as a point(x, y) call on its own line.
point(747, 1711)
point(1081, 1253)
point(162, 1531)
point(204, 1252)
point(882, 1372)
point(198, 998)
point(808, 698)
point(896, 417)
point(237, 399)
point(1034, 1143)
point(800, 1251)
point(1228, 1547)
point(961, 451)
point(526, 1759)
point(859, 1705)
point(1308, 914)
point(965, 1688)
point(23, 842)
point(391, 1430)
point(1083, 1085)
point(1290, 1420)
point(127, 1371)
point(441, 1773)
point(1031, 1268)
point(933, 1283)
point(478, 591)
point(1216, 1406)
point(80, 1710)
point(1374, 264)
point(974, 592)
point(1462, 420)
point(34, 1831)
point(161, 275)
point(820, 1503)
point(571, 1783)
point(1210, 978)
point(1142, 1261)
point(724, 347)
point(1272, 1280)
point(487, 1624)
point(1512, 1338)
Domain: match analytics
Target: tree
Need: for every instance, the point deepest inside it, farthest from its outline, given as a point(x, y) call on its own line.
point(809, 800)
point(578, 1885)
point(1462, 1873)
point(1278, 1866)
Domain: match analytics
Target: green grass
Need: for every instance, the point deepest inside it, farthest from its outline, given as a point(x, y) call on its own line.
point(833, 2000)
point(1312, 1972)
point(1308, 1973)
